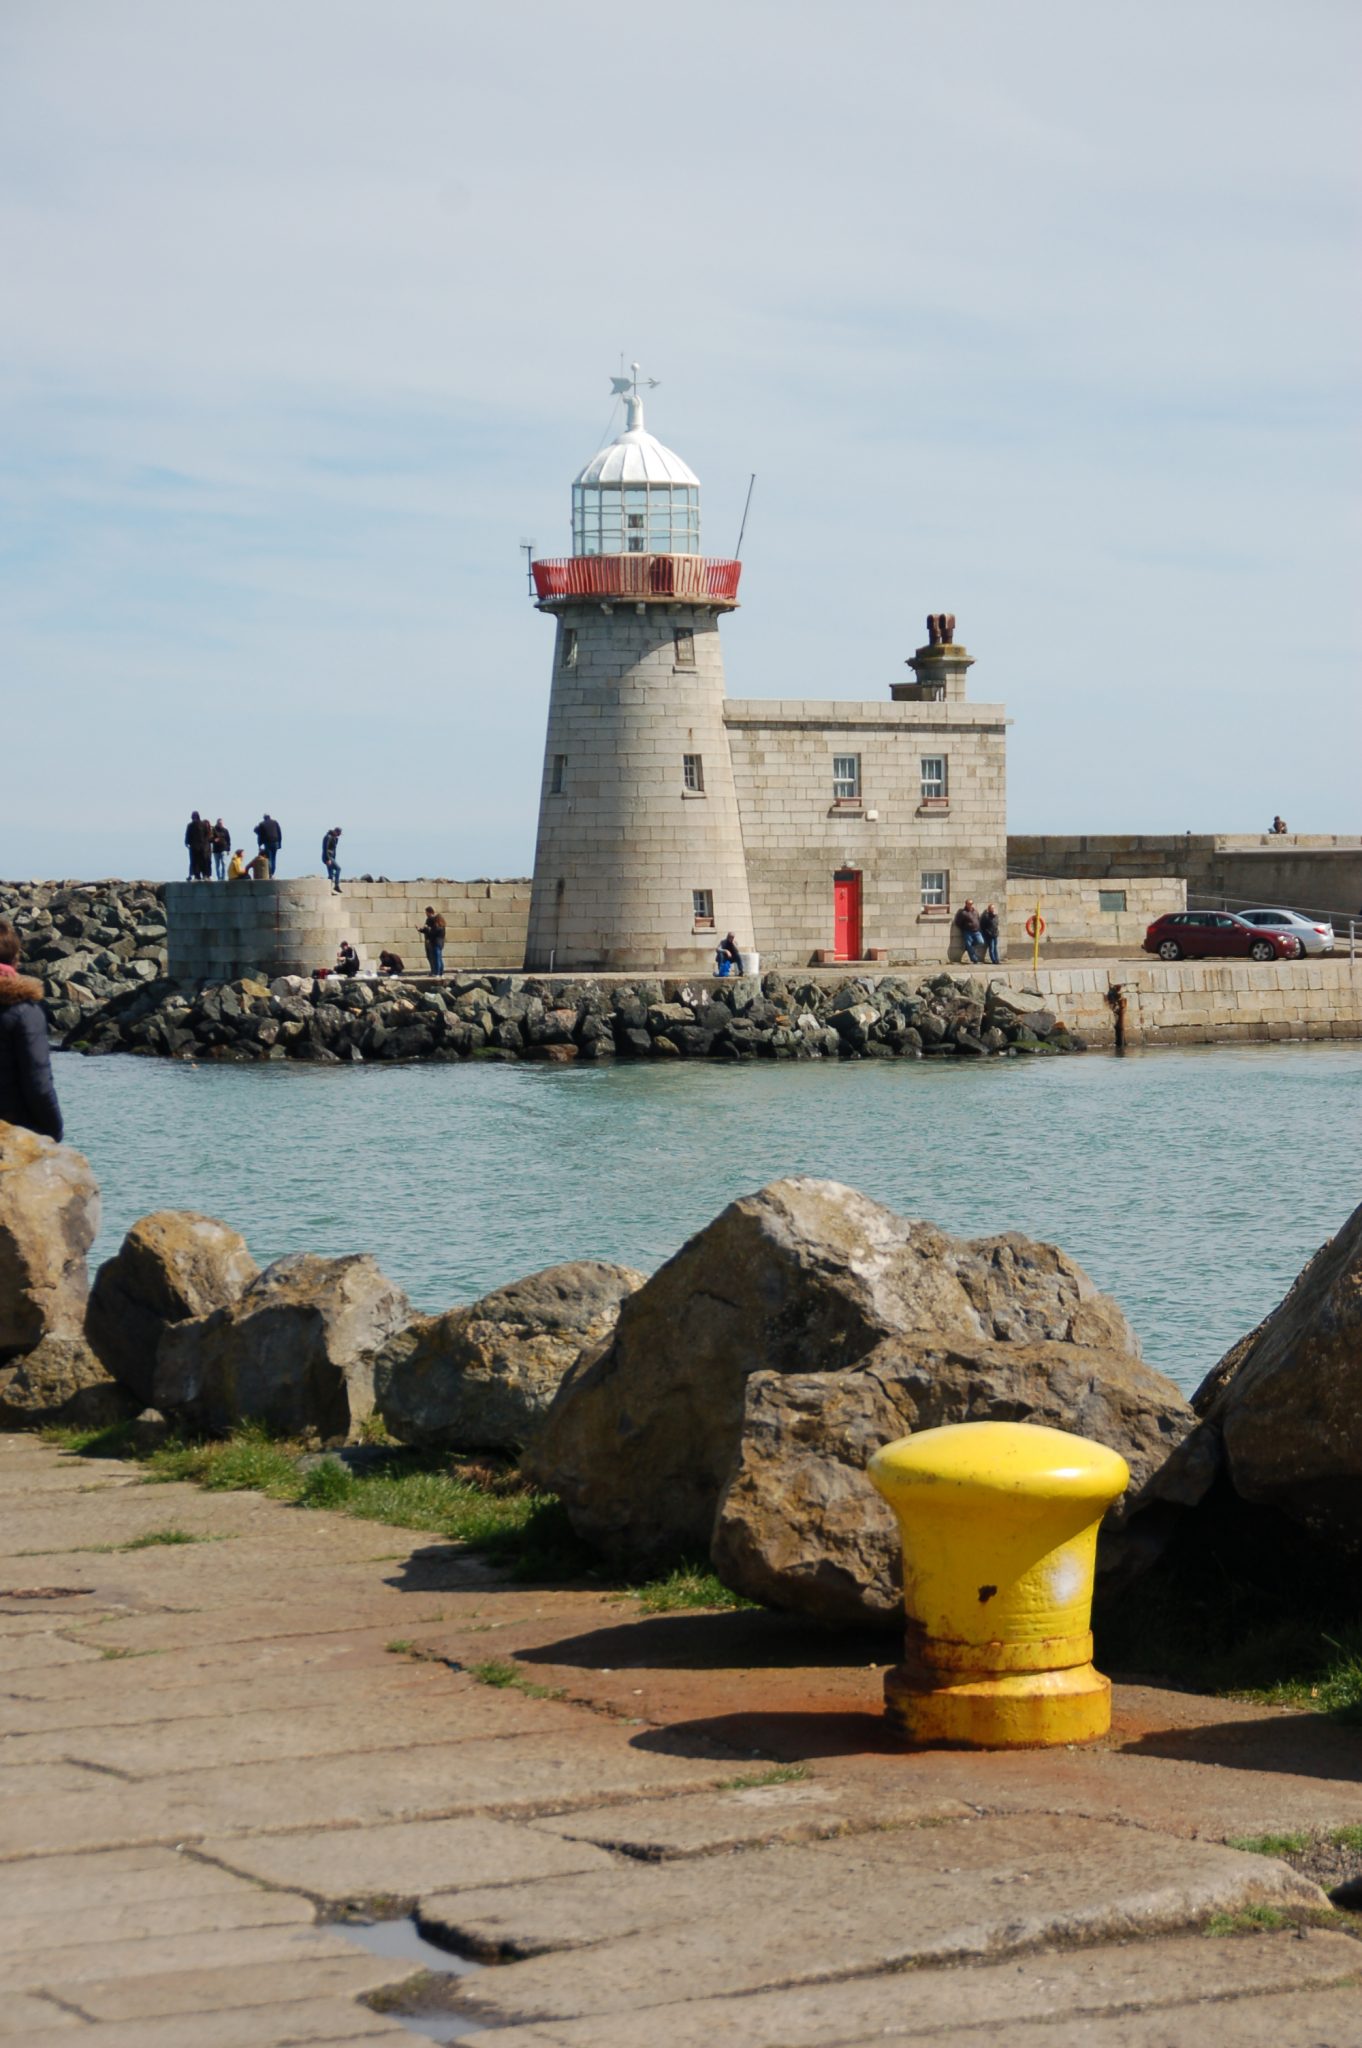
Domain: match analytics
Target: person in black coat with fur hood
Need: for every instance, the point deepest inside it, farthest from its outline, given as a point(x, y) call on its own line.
point(27, 1095)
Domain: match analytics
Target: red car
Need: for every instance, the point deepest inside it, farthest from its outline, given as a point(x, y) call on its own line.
point(1218, 934)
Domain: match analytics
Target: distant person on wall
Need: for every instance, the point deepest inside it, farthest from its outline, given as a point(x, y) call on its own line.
point(988, 932)
point(269, 838)
point(222, 846)
point(198, 837)
point(1279, 825)
point(391, 963)
point(258, 870)
point(433, 938)
point(967, 923)
point(347, 960)
point(236, 866)
point(330, 860)
point(27, 1095)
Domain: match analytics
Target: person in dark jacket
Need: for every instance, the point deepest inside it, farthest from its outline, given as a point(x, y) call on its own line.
point(269, 838)
point(27, 1095)
point(331, 858)
point(347, 960)
point(967, 923)
point(391, 963)
point(198, 837)
point(222, 846)
point(988, 931)
point(433, 936)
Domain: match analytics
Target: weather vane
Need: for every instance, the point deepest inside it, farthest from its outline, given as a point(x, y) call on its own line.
point(621, 385)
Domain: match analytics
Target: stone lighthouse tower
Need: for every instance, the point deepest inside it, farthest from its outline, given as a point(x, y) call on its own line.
point(639, 859)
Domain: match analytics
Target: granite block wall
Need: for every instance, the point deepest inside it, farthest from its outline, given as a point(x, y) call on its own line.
point(218, 931)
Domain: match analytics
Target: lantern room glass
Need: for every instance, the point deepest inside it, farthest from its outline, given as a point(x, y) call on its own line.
point(635, 519)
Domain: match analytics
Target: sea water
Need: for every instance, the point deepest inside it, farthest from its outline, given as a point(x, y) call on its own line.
point(1191, 1184)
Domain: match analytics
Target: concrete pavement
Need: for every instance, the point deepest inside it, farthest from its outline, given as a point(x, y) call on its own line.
point(686, 1829)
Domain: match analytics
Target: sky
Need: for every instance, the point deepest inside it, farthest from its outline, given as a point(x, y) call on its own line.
point(1045, 315)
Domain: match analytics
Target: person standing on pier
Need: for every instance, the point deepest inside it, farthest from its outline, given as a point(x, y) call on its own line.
point(988, 931)
point(433, 938)
point(967, 923)
point(269, 838)
point(222, 846)
point(330, 860)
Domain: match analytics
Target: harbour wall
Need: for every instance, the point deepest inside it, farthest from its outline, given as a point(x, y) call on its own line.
point(221, 930)
point(1316, 872)
point(218, 931)
point(1202, 1002)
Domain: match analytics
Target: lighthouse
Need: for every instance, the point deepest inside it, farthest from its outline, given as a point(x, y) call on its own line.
point(639, 861)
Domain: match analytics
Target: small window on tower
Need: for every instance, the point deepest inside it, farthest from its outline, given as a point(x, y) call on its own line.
point(683, 639)
point(693, 773)
point(702, 902)
point(569, 647)
point(559, 775)
point(846, 778)
point(935, 889)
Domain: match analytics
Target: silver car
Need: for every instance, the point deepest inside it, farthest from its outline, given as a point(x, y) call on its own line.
point(1316, 935)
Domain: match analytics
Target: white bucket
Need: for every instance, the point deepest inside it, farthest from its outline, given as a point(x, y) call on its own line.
point(751, 963)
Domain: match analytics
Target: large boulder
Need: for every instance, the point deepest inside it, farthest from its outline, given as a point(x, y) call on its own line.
point(798, 1526)
point(60, 1382)
point(482, 1377)
point(296, 1350)
point(1286, 1401)
point(171, 1266)
point(49, 1216)
point(750, 1378)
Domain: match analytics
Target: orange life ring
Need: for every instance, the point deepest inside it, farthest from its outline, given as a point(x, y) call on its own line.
point(1035, 925)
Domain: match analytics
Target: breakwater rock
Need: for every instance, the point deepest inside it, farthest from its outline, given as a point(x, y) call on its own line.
point(89, 943)
point(515, 1017)
point(749, 1381)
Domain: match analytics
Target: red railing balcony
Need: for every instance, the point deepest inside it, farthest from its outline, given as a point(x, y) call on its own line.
point(639, 577)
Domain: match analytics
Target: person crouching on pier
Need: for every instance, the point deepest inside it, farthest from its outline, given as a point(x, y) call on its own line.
point(347, 960)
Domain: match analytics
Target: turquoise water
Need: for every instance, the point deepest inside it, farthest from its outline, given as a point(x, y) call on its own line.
point(1193, 1185)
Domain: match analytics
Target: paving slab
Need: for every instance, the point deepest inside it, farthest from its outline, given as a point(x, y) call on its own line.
point(1181, 1979)
point(86, 1885)
point(243, 1949)
point(573, 1766)
point(965, 1888)
point(277, 2025)
point(405, 1861)
point(453, 1712)
point(1319, 2019)
point(25, 2019)
point(200, 1991)
point(751, 1817)
point(140, 1672)
point(28, 1935)
point(46, 1725)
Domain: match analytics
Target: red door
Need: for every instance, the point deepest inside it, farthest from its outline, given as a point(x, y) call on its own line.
point(846, 914)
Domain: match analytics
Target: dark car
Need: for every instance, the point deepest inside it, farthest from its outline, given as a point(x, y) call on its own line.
point(1217, 934)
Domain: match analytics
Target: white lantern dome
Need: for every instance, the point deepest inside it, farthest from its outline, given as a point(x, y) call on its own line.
point(636, 497)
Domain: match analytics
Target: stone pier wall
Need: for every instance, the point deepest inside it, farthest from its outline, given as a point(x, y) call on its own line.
point(1204, 1002)
point(1085, 917)
point(218, 931)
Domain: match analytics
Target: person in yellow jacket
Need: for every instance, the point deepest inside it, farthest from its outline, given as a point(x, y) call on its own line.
point(236, 867)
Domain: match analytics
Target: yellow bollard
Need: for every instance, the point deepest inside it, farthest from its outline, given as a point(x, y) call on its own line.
point(999, 1527)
